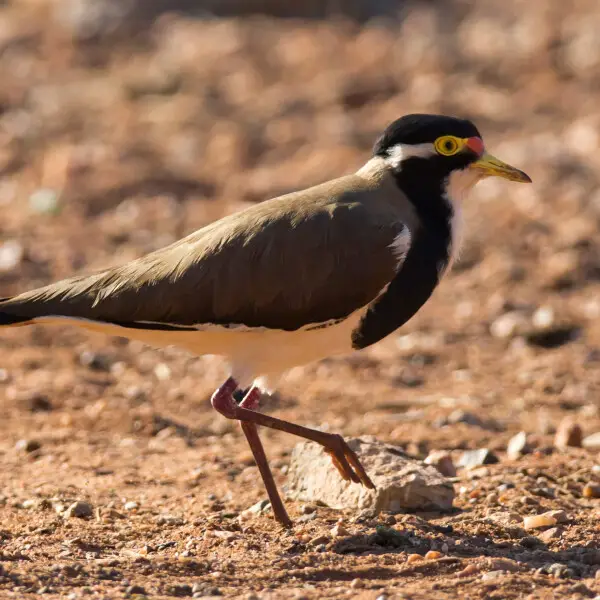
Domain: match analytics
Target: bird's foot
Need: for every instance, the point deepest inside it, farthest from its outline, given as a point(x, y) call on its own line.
point(346, 461)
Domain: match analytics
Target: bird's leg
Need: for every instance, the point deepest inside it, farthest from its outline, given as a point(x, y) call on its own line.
point(344, 458)
point(251, 401)
point(223, 401)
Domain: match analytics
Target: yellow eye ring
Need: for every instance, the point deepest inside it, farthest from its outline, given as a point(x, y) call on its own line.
point(448, 145)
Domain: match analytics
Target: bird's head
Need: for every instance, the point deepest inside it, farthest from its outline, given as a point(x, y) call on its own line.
point(436, 147)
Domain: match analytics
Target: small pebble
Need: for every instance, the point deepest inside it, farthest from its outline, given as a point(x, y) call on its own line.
point(27, 445)
point(591, 490)
point(80, 510)
point(433, 555)
point(509, 325)
point(550, 534)
point(413, 558)
point(131, 505)
point(592, 442)
point(468, 571)
point(491, 575)
point(517, 445)
point(356, 583)
point(476, 458)
point(339, 530)
point(442, 461)
point(45, 201)
point(538, 521)
point(568, 434)
point(11, 254)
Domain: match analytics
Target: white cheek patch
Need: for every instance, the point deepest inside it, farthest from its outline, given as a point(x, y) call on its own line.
point(402, 152)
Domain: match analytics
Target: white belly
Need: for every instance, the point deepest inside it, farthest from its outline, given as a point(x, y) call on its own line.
point(253, 353)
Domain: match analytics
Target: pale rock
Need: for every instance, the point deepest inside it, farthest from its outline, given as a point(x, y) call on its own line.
point(401, 482)
point(592, 442)
point(517, 445)
point(538, 521)
point(442, 461)
point(568, 434)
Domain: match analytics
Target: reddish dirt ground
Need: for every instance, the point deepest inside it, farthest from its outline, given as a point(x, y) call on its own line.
point(111, 148)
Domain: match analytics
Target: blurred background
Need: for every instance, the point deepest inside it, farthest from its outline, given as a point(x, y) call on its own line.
point(125, 124)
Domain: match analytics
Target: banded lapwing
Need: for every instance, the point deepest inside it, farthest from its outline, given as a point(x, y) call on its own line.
point(324, 271)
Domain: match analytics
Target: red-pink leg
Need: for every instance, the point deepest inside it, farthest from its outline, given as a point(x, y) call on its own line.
point(344, 458)
point(222, 400)
point(251, 402)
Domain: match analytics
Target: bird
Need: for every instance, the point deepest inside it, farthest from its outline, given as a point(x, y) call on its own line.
point(325, 271)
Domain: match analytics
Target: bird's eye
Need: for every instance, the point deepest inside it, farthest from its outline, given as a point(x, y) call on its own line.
point(447, 145)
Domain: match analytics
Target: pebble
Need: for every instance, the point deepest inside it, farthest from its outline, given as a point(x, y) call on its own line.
point(131, 505)
point(591, 490)
point(11, 254)
point(169, 520)
point(413, 558)
point(80, 510)
point(550, 534)
point(468, 571)
point(339, 530)
point(162, 372)
point(538, 521)
point(491, 575)
point(517, 445)
point(592, 442)
point(45, 201)
point(356, 583)
point(433, 555)
point(543, 317)
point(509, 325)
point(27, 445)
point(476, 458)
point(568, 434)
point(96, 361)
point(135, 589)
point(442, 461)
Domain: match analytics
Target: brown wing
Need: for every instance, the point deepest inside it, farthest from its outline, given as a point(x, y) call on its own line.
point(296, 260)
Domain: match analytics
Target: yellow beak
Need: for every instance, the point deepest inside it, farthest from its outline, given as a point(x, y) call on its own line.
point(490, 166)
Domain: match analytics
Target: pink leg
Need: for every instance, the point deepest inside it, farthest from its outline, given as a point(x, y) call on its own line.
point(251, 402)
point(344, 458)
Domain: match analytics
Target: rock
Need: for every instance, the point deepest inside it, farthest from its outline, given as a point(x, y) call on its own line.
point(401, 482)
point(131, 505)
point(543, 317)
point(538, 521)
point(80, 510)
point(476, 458)
point(11, 254)
point(558, 570)
point(592, 442)
point(135, 589)
point(442, 461)
point(97, 361)
point(27, 445)
point(171, 520)
point(492, 575)
point(509, 325)
point(591, 490)
point(550, 534)
point(433, 555)
point(517, 445)
point(569, 433)
point(36, 402)
point(339, 531)
point(44, 201)
point(559, 515)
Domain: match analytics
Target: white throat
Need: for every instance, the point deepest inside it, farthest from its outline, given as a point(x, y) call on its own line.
point(458, 185)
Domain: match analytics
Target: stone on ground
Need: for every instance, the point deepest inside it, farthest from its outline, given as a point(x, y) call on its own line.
point(401, 482)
